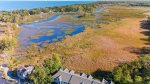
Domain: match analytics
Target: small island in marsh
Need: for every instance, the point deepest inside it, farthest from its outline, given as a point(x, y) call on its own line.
point(102, 42)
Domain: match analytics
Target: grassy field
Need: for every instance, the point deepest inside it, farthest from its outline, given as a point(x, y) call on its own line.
point(106, 47)
point(100, 46)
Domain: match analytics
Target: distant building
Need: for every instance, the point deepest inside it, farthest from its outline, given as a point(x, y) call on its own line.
point(69, 77)
point(23, 72)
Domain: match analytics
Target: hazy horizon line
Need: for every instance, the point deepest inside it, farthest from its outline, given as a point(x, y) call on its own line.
point(73, 0)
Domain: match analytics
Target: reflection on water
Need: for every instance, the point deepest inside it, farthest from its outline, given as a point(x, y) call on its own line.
point(47, 31)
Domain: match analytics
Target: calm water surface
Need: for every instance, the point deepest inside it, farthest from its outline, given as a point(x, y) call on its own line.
point(47, 31)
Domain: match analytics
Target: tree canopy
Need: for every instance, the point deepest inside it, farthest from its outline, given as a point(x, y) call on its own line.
point(43, 74)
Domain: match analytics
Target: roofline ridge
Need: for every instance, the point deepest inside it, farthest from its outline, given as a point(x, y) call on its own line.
point(82, 77)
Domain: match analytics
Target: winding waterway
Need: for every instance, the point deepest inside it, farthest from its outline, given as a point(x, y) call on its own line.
point(47, 31)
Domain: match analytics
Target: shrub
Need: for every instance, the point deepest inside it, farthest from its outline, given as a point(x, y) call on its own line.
point(7, 43)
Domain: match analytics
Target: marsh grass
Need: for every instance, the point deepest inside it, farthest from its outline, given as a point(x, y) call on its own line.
point(89, 45)
point(114, 14)
point(34, 37)
point(102, 48)
point(50, 32)
point(36, 17)
point(88, 17)
point(69, 30)
point(3, 25)
point(64, 18)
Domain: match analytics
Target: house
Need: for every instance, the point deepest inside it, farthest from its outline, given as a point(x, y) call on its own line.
point(24, 71)
point(4, 74)
point(3, 81)
point(70, 77)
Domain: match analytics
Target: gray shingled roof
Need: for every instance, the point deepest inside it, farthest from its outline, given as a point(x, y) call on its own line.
point(78, 80)
point(64, 75)
point(96, 82)
point(3, 81)
point(72, 78)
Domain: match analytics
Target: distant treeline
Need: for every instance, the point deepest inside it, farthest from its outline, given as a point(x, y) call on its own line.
point(13, 16)
point(81, 9)
point(144, 4)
